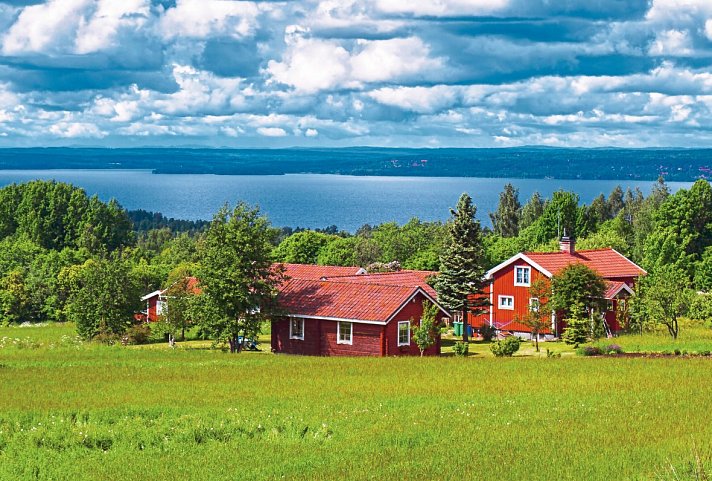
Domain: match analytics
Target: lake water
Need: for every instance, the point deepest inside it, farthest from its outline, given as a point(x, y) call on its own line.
point(311, 200)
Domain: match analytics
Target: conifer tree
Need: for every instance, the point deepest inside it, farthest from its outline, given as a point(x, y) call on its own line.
point(462, 265)
point(531, 211)
point(505, 221)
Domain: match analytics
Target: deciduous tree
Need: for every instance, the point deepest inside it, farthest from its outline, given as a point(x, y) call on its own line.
point(425, 332)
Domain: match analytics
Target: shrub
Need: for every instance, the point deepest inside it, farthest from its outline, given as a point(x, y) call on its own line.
point(550, 353)
point(487, 332)
point(506, 347)
point(136, 334)
point(461, 348)
point(589, 351)
point(613, 349)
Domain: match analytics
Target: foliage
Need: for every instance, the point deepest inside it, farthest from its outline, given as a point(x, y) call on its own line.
point(14, 298)
point(578, 326)
point(538, 317)
point(425, 333)
point(180, 303)
point(531, 211)
point(589, 351)
point(461, 348)
point(462, 265)
point(701, 308)
point(663, 297)
point(136, 334)
point(236, 275)
point(488, 332)
point(613, 349)
point(102, 296)
point(302, 247)
point(577, 285)
point(506, 347)
point(340, 251)
point(505, 220)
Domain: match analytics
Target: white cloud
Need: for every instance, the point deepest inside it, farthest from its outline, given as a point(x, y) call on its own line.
point(708, 29)
point(272, 132)
point(100, 30)
point(205, 18)
point(311, 65)
point(72, 130)
point(417, 99)
point(672, 42)
point(311, 133)
point(441, 8)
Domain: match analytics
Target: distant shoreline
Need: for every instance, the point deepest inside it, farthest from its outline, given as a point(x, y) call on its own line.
point(684, 165)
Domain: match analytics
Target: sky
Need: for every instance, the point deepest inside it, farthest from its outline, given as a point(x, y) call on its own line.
point(330, 73)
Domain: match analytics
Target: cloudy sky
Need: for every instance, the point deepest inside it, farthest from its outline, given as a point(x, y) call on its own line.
point(356, 72)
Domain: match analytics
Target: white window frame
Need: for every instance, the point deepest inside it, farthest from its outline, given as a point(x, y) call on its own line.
point(505, 307)
point(291, 332)
point(399, 333)
point(161, 307)
point(532, 300)
point(338, 333)
point(529, 276)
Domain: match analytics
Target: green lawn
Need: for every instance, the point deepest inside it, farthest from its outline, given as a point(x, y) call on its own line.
point(78, 412)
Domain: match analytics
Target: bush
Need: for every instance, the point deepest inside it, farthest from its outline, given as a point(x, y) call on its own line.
point(136, 334)
point(461, 348)
point(506, 347)
point(487, 332)
point(108, 338)
point(613, 349)
point(589, 351)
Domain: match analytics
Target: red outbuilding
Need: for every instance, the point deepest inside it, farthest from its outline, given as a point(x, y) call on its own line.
point(156, 301)
point(336, 311)
point(509, 284)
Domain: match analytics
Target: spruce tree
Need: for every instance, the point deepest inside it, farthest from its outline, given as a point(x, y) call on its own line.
point(531, 211)
point(505, 221)
point(462, 265)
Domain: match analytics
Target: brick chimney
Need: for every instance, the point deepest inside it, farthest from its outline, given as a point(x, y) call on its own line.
point(567, 244)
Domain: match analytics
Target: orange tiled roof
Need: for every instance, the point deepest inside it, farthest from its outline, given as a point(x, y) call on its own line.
point(607, 262)
point(397, 278)
point(612, 288)
point(342, 300)
point(314, 272)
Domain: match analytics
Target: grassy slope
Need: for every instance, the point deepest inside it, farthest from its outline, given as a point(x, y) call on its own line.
point(92, 412)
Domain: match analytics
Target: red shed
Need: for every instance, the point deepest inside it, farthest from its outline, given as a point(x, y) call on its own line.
point(508, 289)
point(351, 315)
point(156, 301)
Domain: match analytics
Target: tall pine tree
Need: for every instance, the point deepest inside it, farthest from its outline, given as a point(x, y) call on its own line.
point(505, 221)
point(461, 283)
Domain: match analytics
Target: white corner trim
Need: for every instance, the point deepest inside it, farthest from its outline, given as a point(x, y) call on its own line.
point(152, 294)
point(623, 287)
point(410, 298)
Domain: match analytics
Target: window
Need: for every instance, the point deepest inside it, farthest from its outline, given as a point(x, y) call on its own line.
point(506, 302)
point(160, 307)
point(534, 304)
point(296, 329)
point(521, 276)
point(344, 331)
point(404, 333)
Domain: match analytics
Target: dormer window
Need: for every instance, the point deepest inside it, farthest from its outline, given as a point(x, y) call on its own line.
point(522, 276)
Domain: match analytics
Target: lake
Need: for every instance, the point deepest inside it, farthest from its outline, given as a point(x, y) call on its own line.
point(311, 200)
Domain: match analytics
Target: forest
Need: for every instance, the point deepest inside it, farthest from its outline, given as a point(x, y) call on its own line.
point(67, 256)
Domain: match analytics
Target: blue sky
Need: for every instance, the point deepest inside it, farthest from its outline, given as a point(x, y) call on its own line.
point(464, 73)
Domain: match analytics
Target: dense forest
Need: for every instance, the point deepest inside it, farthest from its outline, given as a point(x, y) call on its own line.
point(520, 162)
point(67, 256)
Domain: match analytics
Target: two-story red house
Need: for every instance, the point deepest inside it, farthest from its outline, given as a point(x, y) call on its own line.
point(509, 284)
point(331, 311)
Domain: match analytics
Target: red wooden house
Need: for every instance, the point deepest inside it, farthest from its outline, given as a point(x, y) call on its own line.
point(333, 312)
point(156, 301)
point(509, 284)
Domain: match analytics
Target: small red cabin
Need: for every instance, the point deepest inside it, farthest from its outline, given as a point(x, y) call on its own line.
point(156, 301)
point(330, 312)
point(509, 284)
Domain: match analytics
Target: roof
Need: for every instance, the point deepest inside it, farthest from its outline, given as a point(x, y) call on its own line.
point(340, 300)
point(192, 286)
point(614, 288)
point(314, 272)
point(398, 278)
point(609, 263)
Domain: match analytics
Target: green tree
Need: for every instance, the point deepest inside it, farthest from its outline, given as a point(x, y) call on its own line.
point(578, 325)
point(538, 316)
point(578, 292)
point(461, 284)
point(425, 332)
point(663, 297)
point(180, 302)
point(239, 284)
point(302, 247)
point(531, 211)
point(103, 296)
point(560, 215)
point(615, 202)
point(505, 220)
point(14, 298)
point(340, 251)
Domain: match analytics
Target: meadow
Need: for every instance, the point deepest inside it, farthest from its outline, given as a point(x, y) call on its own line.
point(74, 411)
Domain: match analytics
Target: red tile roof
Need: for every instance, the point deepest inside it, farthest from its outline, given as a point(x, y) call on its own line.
point(399, 278)
point(343, 300)
point(607, 262)
point(613, 288)
point(314, 272)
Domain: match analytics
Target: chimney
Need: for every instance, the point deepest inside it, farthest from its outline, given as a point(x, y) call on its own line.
point(567, 244)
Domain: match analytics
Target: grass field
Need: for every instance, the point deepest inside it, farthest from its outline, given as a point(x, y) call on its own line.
point(73, 411)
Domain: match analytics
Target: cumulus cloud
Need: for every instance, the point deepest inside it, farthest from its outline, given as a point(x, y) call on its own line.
point(355, 72)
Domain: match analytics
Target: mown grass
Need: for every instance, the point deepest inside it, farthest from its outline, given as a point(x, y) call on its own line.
point(79, 412)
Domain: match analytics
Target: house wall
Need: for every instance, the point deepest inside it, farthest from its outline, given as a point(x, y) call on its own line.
point(320, 336)
point(503, 285)
point(152, 316)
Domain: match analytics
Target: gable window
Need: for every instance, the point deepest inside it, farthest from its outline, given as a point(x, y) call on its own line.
point(522, 276)
point(534, 304)
point(506, 302)
point(404, 333)
point(296, 328)
point(344, 332)
point(160, 307)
